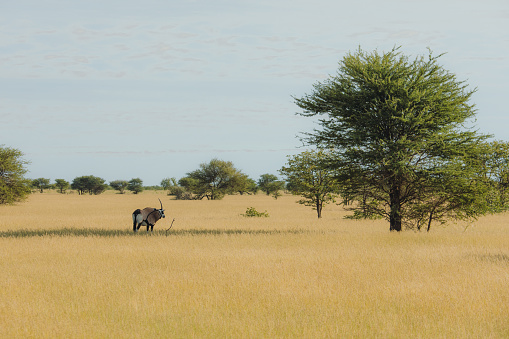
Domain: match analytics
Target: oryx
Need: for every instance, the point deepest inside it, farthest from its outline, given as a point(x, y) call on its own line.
point(147, 217)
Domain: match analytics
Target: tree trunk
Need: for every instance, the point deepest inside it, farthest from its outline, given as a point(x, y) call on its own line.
point(395, 205)
point(430, 219)
point(319, 206)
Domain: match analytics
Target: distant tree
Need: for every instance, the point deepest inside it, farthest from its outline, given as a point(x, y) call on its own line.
point(90, 184)
point(119, 185)
point(80, 184)
point(178, 191)
point(397, 130)
point(308, 176)
point(61, 184)
point(214, 180)
point(270, 184)
point(135, 185)
point(13, 186)
point(494, 161)
point(183, 190)
point(41, 184)
point(167, 183)
point(248, 186)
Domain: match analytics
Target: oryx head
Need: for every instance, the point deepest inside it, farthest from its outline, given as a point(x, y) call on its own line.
point(161, 211)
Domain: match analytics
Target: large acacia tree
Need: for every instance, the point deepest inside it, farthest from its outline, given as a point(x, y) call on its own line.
point(397, 128)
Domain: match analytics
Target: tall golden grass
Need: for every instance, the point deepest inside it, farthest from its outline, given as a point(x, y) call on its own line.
point(310, 279)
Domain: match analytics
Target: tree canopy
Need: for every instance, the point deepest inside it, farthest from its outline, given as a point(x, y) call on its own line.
point(13, 186)
point(397, 130)
point(41, 184)
point(214, 180)
point(135, 185)
point(119, 185)
point(89, 183)
point(61, 184)
point(270, 184)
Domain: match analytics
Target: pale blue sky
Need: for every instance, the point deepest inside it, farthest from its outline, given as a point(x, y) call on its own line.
point(152, 88)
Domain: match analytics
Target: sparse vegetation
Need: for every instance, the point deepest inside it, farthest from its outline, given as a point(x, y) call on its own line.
point(72, 262)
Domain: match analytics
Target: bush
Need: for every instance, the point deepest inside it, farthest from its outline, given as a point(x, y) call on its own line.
point(180, 193)
point(252, 212)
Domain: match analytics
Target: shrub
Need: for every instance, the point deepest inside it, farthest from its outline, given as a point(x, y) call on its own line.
point(252, 212)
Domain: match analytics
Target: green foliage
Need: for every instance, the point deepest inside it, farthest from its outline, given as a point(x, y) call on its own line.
point(13, 186)
point(184, 189)
point(135, 185)
point(41, 184)
point(173, 188)
point(252, 212)
point(493, 172)
point(270, 184)
point(250, 187)
point(309, 176)
point(90, 184)
point(167, 183)
point(61, 184)
point(214, 180)
point(119, 185)
point(396, 130)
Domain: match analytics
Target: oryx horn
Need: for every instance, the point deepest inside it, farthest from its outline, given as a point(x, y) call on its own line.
point(160, 203)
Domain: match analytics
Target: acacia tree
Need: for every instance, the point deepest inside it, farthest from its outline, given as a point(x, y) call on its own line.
point(135, 185)
point(214, 180)
point(89, 183)
point(41, 184)
point(494, 162)
point(119, 185)
point(13, 186)
point(397, 129)
point(270, 184)
point(61, 184)
point(307, 175)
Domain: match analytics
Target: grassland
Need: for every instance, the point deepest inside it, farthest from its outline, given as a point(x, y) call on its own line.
point(71, 267)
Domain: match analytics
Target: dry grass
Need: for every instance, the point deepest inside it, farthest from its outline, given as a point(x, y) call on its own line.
point(311, 279)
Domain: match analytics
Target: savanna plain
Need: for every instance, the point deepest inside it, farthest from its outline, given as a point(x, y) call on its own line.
point(72, 267)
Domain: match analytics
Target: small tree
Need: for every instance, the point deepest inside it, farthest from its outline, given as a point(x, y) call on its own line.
point(135, 185)
point(119, 185)
point(309, 176)
point(41, 184)
point(13, 186)
point(270, 184)
point(61, 184)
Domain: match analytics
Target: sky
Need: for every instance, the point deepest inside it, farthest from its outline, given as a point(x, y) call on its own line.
point(151, 89)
